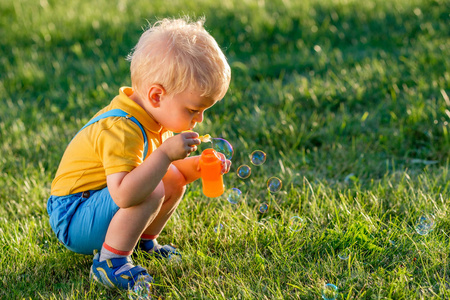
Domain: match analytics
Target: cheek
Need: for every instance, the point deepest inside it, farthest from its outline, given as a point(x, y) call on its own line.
point(181, 118)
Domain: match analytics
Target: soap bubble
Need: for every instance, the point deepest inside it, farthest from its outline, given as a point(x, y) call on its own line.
point(244, 171)
point(141, 291)
point(258, 157)
point(263, 208)
point(274, 184)
point(218, 228)
point(344, 254)
point(234, 195)
point(329, 292)
point(425, 224)
point(222, 146)
point(296, 223)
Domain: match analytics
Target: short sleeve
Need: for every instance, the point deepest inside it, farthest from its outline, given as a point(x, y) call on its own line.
point(120, 146)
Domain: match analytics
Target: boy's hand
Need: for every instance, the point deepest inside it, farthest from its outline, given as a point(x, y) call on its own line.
point(180, 146)
point(226, 164)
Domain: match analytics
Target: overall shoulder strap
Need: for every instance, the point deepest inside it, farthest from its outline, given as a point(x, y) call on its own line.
point(120, 113)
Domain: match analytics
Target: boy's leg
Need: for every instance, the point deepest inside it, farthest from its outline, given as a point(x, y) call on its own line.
point(174, 189)
point(113, 266)
point(128, 224)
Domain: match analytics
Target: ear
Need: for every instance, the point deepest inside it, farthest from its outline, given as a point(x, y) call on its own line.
point(154, 94)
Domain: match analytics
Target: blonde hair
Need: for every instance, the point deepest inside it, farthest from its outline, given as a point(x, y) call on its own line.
point(179, 54)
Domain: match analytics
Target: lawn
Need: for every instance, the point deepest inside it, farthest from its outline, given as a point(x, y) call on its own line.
point(350, 100)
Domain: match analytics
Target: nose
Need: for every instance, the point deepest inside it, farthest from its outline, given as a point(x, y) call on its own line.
point(199, 117)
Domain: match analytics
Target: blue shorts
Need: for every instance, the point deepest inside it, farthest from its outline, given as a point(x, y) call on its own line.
point(81, 220)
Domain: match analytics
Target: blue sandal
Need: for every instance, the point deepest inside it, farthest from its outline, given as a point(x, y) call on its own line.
point(153, 248)
point(104, 273)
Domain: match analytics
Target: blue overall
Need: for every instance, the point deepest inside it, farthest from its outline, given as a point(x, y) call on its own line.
point(81, 220)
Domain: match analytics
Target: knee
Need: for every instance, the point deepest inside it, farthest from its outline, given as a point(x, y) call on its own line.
point(174, 183)
point(178, 183)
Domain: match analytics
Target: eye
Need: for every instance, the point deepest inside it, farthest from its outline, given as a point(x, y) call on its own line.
point(194, 111)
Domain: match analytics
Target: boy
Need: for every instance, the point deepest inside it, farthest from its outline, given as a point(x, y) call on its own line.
point(124, 174)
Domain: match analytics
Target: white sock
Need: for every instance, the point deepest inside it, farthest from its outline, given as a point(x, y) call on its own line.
point(107, 254)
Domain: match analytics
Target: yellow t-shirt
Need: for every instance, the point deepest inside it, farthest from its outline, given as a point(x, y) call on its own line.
point(109, 146)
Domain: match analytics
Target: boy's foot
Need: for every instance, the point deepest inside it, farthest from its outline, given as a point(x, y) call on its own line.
point(152, 247)
point(104, 272)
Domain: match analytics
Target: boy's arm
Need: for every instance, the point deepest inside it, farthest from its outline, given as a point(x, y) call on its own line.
point(189, 168)
point(132, 188)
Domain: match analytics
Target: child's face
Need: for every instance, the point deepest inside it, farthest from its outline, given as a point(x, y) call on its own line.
point(179, 112)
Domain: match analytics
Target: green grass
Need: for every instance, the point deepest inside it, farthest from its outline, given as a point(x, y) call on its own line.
point(326, 88)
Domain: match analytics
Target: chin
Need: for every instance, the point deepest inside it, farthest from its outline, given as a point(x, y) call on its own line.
point(178, 129)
